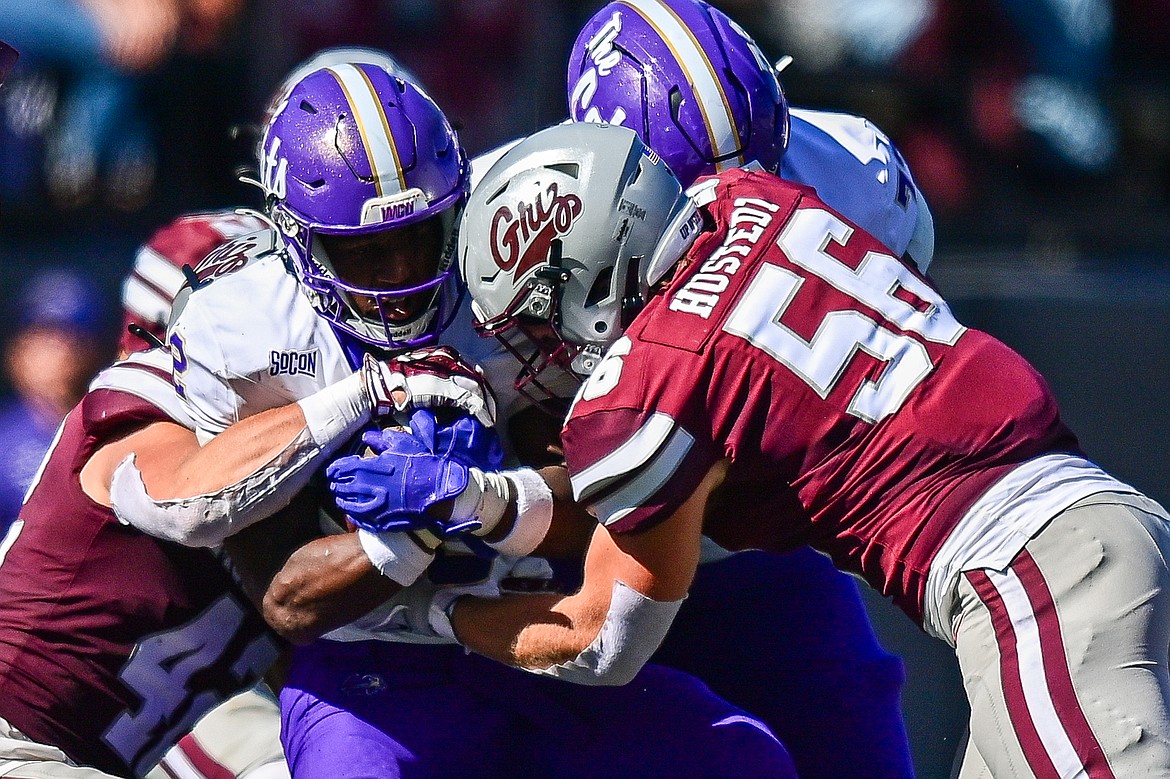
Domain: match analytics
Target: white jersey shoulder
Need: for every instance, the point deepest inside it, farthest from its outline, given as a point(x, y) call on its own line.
point(247, 339)
point(150, 288)
point(145, 375)
point(856, 170)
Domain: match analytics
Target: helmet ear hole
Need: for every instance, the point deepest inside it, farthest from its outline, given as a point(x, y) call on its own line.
point(600, 289)
point(676, 99)
point(570, 169)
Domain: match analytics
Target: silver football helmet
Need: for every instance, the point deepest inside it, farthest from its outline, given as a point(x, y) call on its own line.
point(558, 239)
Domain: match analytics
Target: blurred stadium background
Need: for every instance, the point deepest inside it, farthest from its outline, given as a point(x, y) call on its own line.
point(1037, 130)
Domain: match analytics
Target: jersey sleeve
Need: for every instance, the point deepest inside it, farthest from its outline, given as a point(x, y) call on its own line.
point(131, 394)
point(200, 372)
point(637, 441)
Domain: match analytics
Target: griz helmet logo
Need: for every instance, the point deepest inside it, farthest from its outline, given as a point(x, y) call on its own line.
point(522, 238)
point(228, 258)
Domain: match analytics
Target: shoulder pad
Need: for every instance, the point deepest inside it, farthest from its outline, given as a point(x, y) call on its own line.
point(229, 258)
point(188, 239)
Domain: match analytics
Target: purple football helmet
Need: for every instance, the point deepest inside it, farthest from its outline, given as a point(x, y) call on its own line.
point(686, 78)
point(355, 151)
point(7, 60)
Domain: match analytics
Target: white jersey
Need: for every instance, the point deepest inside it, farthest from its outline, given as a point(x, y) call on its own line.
point(149, 290)
point(248, 340)
point(854, 168)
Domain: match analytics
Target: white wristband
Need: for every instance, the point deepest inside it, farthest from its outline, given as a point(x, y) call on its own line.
point(485, 498)
point(335, 413)
point(396, 555)
point(534, 513)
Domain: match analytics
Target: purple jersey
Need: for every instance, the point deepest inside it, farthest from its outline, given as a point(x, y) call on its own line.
point(858, 415)
point(113, 643)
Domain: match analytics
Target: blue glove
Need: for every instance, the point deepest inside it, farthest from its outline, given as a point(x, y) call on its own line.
point(466, 440)
point(392, 488)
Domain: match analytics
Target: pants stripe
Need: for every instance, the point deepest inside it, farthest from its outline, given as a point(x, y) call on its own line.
point(189, 760)
point(1059, 678)
point(1010, 678)
point(1052, 729)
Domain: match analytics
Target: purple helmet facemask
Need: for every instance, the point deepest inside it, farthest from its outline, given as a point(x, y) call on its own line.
point(354, 150)
point(686, 78)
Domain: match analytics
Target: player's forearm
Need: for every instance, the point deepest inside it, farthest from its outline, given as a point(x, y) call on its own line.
point(633, 587)
point(230, 457)
point(325, 584)
point(289, 437)
point(527, 631)
point(584, 639)
point(572, 526)
point(199, 496)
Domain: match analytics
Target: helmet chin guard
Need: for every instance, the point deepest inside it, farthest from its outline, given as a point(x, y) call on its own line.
point(354, 150)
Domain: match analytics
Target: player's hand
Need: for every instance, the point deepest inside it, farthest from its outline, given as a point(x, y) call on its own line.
point(392, 487)
point(435, 377)
point(466, 440)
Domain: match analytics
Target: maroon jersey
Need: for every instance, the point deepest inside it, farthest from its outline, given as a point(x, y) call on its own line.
point(157, 276)
point(113, 643)
point(858, 415)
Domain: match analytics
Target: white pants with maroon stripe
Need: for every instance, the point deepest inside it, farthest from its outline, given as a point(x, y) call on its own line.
point(1065, 655)
point(239, 739)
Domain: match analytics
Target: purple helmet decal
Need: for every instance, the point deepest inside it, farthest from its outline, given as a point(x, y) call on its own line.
point(355, 150)
point(7, 60)
point(686, 78)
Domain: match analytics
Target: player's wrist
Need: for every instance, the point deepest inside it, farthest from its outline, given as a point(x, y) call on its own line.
point(399, 556)
point(533, 503)
point(335, 413)
point(486, 498)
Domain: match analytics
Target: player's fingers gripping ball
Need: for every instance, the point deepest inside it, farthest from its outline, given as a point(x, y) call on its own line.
point(434, 377)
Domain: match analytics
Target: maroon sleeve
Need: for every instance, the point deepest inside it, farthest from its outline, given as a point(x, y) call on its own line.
point(108, 414)
point(636, 450)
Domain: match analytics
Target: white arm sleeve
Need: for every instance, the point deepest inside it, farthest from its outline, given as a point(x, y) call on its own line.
point(332, 416)
point(633, 630)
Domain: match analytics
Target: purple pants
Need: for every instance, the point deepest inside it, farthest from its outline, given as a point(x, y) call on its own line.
point(787, 638)
point(380, 709)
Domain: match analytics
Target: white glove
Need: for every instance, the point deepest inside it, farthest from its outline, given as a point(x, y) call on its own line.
point(433, 377)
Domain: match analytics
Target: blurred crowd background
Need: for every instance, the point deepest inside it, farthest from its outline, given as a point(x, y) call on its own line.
point(1039, 131)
